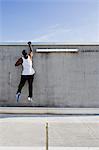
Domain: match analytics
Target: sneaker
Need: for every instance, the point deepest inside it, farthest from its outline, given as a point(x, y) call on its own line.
point(18, 97)
point(30, 99)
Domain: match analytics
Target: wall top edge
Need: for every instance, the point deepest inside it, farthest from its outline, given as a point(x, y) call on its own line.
point(46, 43)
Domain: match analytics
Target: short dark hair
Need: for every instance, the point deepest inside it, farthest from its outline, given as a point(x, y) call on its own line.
point(24, 52)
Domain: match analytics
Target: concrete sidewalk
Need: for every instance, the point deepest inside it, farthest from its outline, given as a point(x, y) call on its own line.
point(65, 132)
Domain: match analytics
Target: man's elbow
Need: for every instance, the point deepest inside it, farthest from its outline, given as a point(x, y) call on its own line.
point(15, 65)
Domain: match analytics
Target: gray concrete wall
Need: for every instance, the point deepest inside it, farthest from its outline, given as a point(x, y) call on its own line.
point(61, 79)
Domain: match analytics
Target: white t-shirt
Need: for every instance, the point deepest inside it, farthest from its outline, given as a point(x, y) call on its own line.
point(27, 66)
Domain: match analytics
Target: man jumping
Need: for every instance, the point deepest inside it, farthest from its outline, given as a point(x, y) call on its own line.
point(27, 72)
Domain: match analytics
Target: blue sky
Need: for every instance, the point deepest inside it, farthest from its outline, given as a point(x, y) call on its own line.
point(49, 20)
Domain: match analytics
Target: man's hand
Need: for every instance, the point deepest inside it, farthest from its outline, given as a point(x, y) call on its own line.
point(29, 43)
point(30, 46)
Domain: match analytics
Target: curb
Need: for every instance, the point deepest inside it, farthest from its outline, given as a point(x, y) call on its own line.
point(45, 110)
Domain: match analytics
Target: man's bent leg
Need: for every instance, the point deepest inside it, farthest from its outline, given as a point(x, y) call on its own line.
point(22, 82)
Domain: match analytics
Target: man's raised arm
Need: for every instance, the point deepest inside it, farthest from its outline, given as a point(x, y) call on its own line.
point(30, 50)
